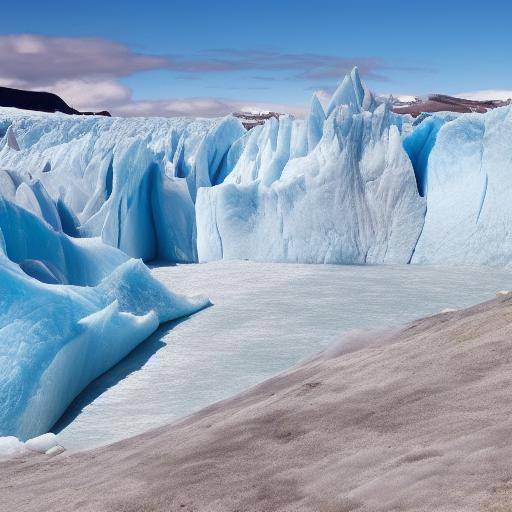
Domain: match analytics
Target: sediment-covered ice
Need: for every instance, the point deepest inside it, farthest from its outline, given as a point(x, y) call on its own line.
point(69, 310)
point(339, 189)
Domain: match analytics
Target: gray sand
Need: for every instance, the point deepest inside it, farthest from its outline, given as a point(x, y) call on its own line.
point(416, 419)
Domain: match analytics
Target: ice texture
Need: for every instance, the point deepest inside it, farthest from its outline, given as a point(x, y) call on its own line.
point(469, 190)
point(334, 190)
point(132, 182)
point(69, 310)
point(11, 446)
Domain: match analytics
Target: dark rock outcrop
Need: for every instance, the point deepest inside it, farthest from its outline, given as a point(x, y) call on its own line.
point(39, 101)
point(250, 119)
point(444, 103)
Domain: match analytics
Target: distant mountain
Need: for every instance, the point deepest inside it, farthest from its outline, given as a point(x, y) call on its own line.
point(40, 101)
point(441, 102)
point(252, 119)
point(403, 104)
point(487, 94)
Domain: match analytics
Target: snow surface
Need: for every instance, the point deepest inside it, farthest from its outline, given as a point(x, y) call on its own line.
point(48, 443)
point(486, 95)
point(266, 317)
point(11, 446)
point(42, 443)
point(69, 310)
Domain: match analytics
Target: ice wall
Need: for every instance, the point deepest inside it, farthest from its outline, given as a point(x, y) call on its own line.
point(339, 189)
point(469, 192)
point(348, 184)
point(133, 182)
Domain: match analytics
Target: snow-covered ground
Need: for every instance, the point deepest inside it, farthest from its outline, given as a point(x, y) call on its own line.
point(265, 318)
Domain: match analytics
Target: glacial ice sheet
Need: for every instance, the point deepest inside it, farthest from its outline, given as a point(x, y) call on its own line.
point(335, 190)
point(132, 182)
point(56, 338)
point(469, 191)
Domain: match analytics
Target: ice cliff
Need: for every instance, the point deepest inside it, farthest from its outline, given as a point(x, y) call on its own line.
point(469, 192)
point(363, 185)
point(351, 183)
point(335, 188)
point(132, 182)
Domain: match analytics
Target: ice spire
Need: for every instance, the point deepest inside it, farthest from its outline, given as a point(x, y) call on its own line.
point(353, 92)
point(316, 119)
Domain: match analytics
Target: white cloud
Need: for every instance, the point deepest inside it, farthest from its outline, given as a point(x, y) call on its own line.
point(199, 107)
point(36, 60)
point(86, 73)
point(489, 94)
point(90, 95)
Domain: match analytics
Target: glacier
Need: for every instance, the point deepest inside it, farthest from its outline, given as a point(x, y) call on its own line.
point(469, 191)
point(69, 310)
point(359, 184)
point(337, 187)
point(132, 182)
point(81, 197)
point(351, 183)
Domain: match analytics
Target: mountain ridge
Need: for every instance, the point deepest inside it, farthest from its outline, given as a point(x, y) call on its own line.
point(40, 101)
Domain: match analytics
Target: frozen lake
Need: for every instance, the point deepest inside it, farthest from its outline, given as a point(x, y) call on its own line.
point(265, 318)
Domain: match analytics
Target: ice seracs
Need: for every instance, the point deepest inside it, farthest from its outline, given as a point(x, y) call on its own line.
point(354, 93)
point(355, 183)
point(132, 182)
point(335, 190)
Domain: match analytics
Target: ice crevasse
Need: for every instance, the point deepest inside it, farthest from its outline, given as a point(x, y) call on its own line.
point(69, 310)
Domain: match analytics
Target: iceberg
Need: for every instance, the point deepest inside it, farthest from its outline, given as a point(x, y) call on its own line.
point(70, 309)
point(334, 188)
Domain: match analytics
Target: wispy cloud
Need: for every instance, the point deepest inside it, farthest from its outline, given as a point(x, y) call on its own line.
point(307, 66)
point(86, 72)
point(35, 59)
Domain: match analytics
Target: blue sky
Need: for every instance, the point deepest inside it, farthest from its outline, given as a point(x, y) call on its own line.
point(207, 57)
